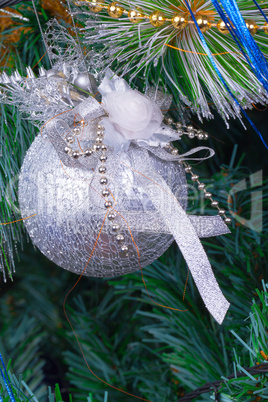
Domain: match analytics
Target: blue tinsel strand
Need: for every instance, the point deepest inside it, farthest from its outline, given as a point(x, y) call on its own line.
point(6, 380)
point(232, 30)
point(261, 10)
point(258, 61)
point(218, 72)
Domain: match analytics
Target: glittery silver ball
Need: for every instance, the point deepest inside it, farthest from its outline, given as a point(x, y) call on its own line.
point(70, 211)
point(221, 211)
point(228, 220)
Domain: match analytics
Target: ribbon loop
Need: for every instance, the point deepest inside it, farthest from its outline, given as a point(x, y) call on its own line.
point(164, 155)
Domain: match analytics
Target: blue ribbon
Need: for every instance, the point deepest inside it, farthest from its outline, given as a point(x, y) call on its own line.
point(215, 66)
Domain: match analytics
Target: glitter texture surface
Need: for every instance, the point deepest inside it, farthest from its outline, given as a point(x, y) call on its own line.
point(177, 221)
point(70, 211)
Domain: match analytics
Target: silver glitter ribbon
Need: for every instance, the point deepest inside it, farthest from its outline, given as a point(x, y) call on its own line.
point(185, 229)
point(184, 233)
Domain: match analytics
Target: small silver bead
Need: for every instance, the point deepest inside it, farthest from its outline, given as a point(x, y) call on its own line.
point(88, 152)
point(104, 147)
point(103, 180)
point(214, 203)
point(103, 158)
point(76, 130)
point(221, 211)
point(178, 125)
point(191, 134)
point(169, 120)
point(68, 150)
point(190, 128)
point(227, 220)
point(76, 154)
point(112, 216)
point(195, 177)
point(98, 140)
point(205, 136)
point(100, 133)
point(200, 136)
point(108, 204)
point(201, 186)
point(168, 146)
point(124, 249)
point(188, 169)
point(120, 238)
point(115, 227)
point(207, 194)
point(102, 169)
point(96, 147)
point(180, 132)
point(70, 139)
point(174, 151)
point(100, 127)
point(105, 193)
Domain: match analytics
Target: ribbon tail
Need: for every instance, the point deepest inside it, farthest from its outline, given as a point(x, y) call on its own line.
point(184, 233)
point(207, 226)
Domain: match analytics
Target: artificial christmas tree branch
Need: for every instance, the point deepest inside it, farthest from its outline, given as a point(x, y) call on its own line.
point(217, 385)
point(9, 3)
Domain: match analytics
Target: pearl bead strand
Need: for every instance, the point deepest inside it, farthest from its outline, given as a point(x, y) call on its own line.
point(189, 130)
point(207, 194)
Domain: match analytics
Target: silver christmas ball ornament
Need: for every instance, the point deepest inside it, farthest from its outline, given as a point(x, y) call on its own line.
point(74, 221)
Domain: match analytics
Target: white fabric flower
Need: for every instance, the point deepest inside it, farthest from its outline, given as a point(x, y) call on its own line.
point(132, 114)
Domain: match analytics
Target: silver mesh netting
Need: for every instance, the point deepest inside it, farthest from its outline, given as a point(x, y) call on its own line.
point(70, 211)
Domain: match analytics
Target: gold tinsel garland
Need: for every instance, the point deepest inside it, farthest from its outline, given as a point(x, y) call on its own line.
point(179, 20)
